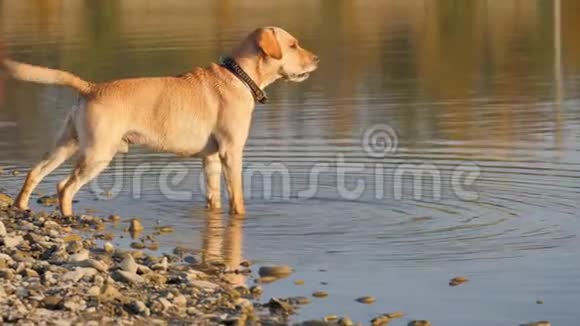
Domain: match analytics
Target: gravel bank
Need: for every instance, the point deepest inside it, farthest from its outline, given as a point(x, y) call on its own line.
point(63, 271)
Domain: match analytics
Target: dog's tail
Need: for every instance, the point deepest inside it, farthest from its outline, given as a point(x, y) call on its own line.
point(42, 75)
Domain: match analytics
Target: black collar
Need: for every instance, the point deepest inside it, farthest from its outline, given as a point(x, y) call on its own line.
point(231, 65)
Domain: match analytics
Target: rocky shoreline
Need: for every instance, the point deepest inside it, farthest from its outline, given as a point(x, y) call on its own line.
point(63, 271)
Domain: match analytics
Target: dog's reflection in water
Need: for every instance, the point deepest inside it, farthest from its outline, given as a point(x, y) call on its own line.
point(223, 243)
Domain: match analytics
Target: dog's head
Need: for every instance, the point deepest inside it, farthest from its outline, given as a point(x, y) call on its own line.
point(280, 54)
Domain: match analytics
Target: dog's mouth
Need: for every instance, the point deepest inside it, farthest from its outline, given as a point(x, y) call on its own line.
point(299, 77)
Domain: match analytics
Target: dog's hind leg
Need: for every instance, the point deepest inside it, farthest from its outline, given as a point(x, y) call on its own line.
point(92, 162)
point(66, 146)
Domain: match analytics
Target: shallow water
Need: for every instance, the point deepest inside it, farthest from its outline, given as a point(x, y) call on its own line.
point(481, 96)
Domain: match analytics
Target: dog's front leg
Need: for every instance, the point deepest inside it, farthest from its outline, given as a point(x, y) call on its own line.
point(232, 163)
point(212, 169)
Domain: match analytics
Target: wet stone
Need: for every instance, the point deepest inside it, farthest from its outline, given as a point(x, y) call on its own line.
point(275, 271)
point(456, 281)
point(278, 306)
point(366, 300)
point(419, 323)
point(330, 318)
point(137, 245)
point(108, 247)
point(48, 200)
point(114, 218)
point(165, 229)
point(320, 294)
point(345, 321)
point(395, 315)
point(5, 200)
point(135, 226)
point(72, 237)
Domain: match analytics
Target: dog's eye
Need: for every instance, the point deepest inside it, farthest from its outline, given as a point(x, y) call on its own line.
point(294, 45)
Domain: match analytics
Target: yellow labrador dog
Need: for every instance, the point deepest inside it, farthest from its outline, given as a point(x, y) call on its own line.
point(204, 113)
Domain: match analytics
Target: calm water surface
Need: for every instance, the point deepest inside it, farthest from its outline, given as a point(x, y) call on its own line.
point(485, 85)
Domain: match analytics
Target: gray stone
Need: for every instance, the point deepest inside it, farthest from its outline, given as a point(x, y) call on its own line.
point(127, 277)
point(78, 273)
point(128, 264)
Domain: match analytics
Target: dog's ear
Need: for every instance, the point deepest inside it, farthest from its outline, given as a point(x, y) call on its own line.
point(268, 43)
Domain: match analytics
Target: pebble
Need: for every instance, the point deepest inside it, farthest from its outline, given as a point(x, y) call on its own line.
point(345, 321)
point(366, 300)
point(538, 323)
point(320, 294)
point(128, 277)
point(299, 282)
point(267, 279)
point(80, 256)
point(300, 300)
point(78, 273)
point(96, 264)
point(114, 218)
point(275, 271)
point(135, 226)
point(180, 300)
point(161, 266)
point(457, 281)
point(47, 200)
point(12, 241)
point(204, 285)
point(6, 274)
point(395, 315)
point(128, 264)
point(72, 237)
point(3, 232)
point(330, 318)
point(386, 318)
point(139, 308)
point(137, 245)
point(5, 200)
point(256, 290)
point(53, 302)
point(48, 278)
point(192, 311)
point(166, 229)
point(108, 248)
point(419, 323)
point(109, 292)
point(280, 305)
